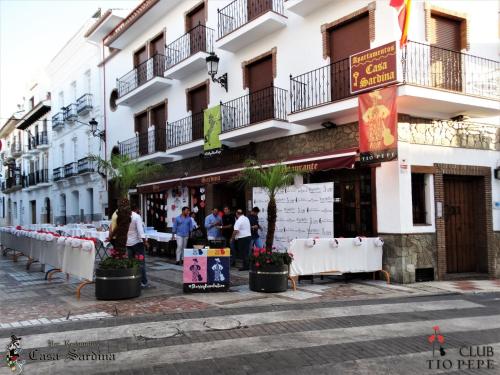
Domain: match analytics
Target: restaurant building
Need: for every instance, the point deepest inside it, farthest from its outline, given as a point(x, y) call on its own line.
point(283, 86)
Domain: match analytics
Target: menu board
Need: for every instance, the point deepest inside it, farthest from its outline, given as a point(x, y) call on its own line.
point(304, 211)
point(206, 270)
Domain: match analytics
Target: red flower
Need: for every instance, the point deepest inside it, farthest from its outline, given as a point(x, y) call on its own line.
point(262, 251)
point(257, 264)
point(435, 328)
point(441, 339)
point(256, 253)
point(139, 257)
point(431, 338)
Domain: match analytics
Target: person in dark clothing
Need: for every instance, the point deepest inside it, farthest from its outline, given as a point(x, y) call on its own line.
point(254, 225)
point(228, 220)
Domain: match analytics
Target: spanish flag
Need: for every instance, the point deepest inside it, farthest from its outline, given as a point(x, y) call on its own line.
point(403, 8)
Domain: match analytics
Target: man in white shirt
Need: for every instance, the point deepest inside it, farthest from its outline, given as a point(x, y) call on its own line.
point(136, 244)
point(243, 236)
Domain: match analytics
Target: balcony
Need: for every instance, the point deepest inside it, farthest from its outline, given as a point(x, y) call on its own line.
point(84, 104)
point(13, 184)
point(187, 54)
point(305, 7)
point(86, 165)
point(258, 115)
point(58, 121)
point(16, 149)
point(148, 146)
point(70, 113)
point(186, 134)
point(58, 173)
point(243, 22)
point(36, 179)
point(144, 80)
point(42, 140)
point(70, 170)
point(435, 82)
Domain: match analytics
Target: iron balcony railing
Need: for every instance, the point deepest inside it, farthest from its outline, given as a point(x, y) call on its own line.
point(58, 120)
point(185, 130)
point(16, 148)
point(14, 181)
point(42, 176)
point(240, 12)
point(70, 113)
point(144, 144)
point(144, 72)
point(422, 65)
point(266, 104)
point(198, 39)
point(86, 165)
point(84, 104)
point(440, 68)
point(70, 170)
point(58, 173)
point(42, 138)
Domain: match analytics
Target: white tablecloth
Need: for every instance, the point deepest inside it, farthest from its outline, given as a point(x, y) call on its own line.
point(78, 261)
point(326, 256)
point(159, 236)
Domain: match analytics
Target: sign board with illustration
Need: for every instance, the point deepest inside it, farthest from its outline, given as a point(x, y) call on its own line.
point(206, 270)
point(303, 212)
point(378, 126)
point(212, 127)
point(376, 67)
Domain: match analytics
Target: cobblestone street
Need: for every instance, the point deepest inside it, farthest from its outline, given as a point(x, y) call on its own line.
point(329, 326)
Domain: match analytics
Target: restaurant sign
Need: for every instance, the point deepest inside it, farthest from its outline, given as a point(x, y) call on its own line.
point(376, 67)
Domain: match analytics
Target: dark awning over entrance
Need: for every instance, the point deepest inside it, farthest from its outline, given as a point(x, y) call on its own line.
point(34, 115)
point(307, 163)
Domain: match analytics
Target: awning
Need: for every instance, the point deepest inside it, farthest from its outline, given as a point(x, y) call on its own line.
point(310, 163)
point(34, 115)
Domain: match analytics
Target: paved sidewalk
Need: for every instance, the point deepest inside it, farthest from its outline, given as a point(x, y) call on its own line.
point(28, 299)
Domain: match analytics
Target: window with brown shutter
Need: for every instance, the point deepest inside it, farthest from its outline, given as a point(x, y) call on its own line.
point(418, 198)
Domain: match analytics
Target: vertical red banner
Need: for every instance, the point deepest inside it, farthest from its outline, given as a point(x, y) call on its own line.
point(378, 125)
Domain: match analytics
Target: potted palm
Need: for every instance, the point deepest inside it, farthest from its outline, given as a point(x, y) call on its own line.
point(117, 276)
point(268, 267)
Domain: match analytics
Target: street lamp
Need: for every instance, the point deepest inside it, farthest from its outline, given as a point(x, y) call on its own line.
point(93, 129)
point(212, 67)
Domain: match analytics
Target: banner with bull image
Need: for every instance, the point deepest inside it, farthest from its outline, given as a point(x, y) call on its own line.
point(378, 125)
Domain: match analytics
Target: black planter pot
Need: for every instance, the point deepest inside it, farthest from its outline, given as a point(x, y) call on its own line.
point(269, 279)
point(113, 284)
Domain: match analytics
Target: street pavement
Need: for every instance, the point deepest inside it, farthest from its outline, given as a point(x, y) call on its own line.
point(331, 326)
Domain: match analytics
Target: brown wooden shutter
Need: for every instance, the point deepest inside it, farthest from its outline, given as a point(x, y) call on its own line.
point(349, 38)
point(445, 32)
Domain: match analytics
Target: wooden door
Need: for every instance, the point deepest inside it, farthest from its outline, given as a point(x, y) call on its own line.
point(195, 22)
point(257, 7)
point(199, 102)
point(346, 39)
point(446, 64)
point(140, 57)
point(157, 51)
point(260, 84)
point(141, 127)
point(464, 214)
point(159, 119)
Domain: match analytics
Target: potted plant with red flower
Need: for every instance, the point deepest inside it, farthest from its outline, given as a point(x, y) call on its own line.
point(269, 270)
point(268, 267)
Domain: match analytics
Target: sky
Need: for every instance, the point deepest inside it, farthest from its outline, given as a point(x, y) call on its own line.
point(31, 33)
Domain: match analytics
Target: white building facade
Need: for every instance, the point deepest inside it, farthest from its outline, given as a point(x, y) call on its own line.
point(288, 97)
point(48, 175)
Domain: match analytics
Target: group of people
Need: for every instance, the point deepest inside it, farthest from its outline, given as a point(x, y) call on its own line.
point(237, 231)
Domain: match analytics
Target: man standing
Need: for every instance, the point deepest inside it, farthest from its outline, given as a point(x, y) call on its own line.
point(227, 232)
point(254, 224)
point(136, 244)
point(183, 225)
point(243, 237)
point(213, 224)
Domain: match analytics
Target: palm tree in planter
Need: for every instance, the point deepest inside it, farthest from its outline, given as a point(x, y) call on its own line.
point(117, 276)
point(268, 267)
